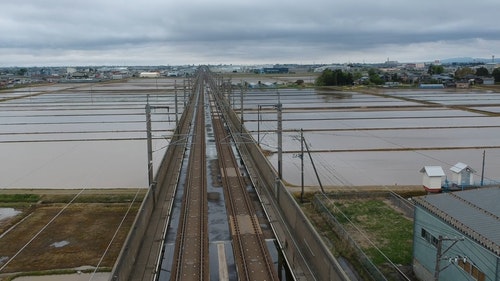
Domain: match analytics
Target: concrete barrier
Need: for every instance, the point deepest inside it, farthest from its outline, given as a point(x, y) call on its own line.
point(127, 258)
point(304, 250)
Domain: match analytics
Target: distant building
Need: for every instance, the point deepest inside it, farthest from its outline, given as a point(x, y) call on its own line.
point(491, 66)
point(441, 78)
point(420, 66)
point(391, 63)
point(70, 70)
point(275, 70)
point(79, 75)
point(457, 236)
point(392, 84)
point(149, 74)
point(342, 67)
point(488, 81)
point(431, 86)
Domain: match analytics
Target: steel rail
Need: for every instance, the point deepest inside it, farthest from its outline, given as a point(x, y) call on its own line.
point(191, 253)
point(251, 253)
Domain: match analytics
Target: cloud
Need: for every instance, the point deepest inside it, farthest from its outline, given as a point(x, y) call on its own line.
point(176, 32)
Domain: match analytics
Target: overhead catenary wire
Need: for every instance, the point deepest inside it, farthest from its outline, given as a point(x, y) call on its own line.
point(37, 115)
point(366, 133)
point(41, 230)
point(115, 234)
point(42, 165)
point(365, 236)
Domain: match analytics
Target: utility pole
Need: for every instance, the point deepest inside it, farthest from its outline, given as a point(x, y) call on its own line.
point(258, 125)
point(151, 182)
point(176, 107)
point(184, 88)
point(440, 253)
point(279, 130)
point(313, 165)
point(280, 141)
point(233, 104)
point(302, 165)
point(482, 169)
point(229, 90)
point(150, 142)
point(241, 108)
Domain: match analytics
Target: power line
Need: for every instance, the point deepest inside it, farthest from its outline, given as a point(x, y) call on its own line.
point(365, 236)
point(41, 230)
point(115, 234)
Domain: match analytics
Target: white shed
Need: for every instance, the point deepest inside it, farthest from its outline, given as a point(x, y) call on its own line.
point(488, 81)
point(149, 74)
point(462, 174)
point(432, 178)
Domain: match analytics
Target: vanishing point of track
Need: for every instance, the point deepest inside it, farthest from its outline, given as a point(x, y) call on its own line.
point(252, 258)
point(191, 250)
point(251, 253)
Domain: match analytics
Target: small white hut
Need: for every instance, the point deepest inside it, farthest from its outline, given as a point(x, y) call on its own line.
point(432, 178)
point(149, 74)
point(462, 174)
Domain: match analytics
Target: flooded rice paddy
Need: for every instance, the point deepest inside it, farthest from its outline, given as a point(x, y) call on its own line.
point(377, 137)
point(6, 213)
point(94, 135)
point(84, 135)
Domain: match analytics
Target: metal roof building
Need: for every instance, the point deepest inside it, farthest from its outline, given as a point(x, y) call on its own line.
point(457, 235)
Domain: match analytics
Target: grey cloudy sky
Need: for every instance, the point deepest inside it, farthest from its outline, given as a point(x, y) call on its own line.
point(166, 32)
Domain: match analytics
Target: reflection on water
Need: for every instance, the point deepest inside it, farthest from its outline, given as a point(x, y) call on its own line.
point(59, 244)
point(363, 139)
point(329, 95)
point(84, 164)
point(83, 135)
point(6, 213)
point(385, 168)
point(94, 135)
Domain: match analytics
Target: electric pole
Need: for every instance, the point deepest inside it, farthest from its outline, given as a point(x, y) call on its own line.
point(313, 165)
point(241, 108)
point(151, 182)
point(280, 137)
point(482, 169)
point(280, 142)
point(150, 143)
point(176, 107)
point(302, 165)
point(440, 253)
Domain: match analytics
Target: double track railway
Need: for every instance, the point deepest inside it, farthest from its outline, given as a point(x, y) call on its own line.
point(251, 255)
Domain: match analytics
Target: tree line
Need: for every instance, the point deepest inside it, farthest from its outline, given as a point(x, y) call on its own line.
point(338, 77)
point(334, 78)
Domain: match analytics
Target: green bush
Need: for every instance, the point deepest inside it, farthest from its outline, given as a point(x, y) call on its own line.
point(16, 198)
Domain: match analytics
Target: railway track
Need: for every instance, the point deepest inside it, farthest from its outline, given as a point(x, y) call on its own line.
point(191, 250)
point(252, 257)
point(190, 261)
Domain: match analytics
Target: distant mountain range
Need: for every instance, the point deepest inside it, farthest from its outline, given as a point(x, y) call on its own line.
point(469, 60)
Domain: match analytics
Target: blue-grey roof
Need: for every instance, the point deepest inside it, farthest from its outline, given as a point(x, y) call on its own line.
point(476, 213)
point(459, 167)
